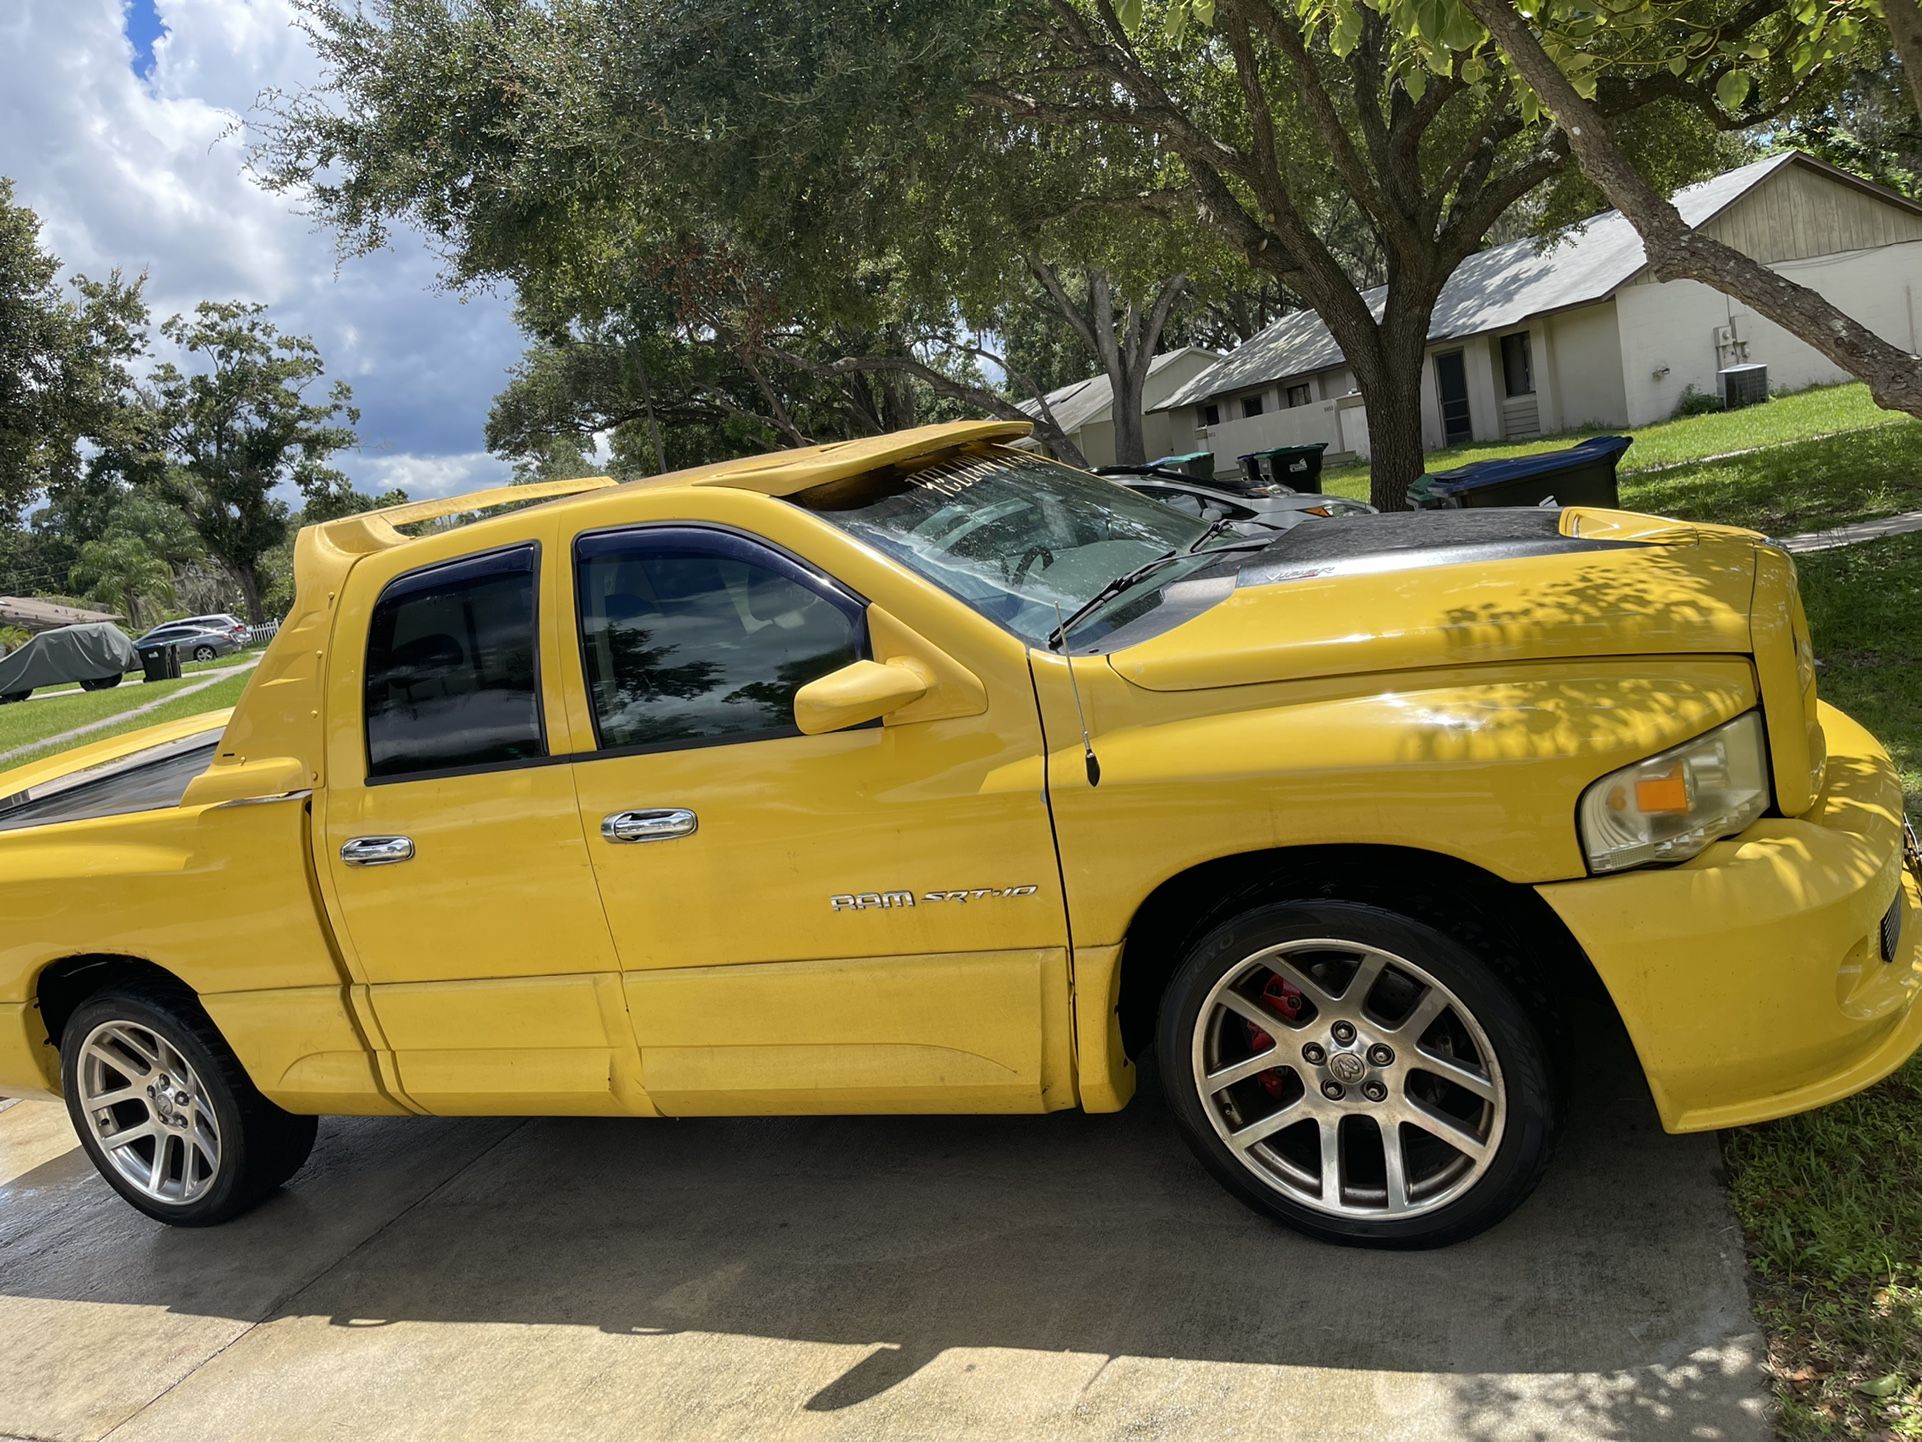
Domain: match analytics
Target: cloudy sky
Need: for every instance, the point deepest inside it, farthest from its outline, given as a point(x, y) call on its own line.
point(118, 126)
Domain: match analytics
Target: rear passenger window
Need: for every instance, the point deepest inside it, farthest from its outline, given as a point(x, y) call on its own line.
point(451, 674)
point(689, 636)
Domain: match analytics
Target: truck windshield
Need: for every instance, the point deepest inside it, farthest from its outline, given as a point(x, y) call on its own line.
point(1017, 537)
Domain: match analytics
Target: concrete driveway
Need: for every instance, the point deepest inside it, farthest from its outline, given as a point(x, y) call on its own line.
point(1064, 1276)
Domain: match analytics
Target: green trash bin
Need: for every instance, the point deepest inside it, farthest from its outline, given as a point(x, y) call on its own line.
point(1298, 467)
point(1197, 465)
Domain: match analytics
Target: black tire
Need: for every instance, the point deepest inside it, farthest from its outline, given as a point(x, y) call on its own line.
point(99, 683)
point(204, 653)
point(7, 698)
point(1529, 1097)
point(260, 1146)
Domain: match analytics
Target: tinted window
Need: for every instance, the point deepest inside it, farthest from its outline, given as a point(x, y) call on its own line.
point(451, 675)
point(692, 635)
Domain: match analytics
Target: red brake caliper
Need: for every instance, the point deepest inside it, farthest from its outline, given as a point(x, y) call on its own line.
point(1285, 1001)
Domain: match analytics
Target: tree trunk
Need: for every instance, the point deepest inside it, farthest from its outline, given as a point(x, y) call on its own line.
point(1905, 29)
point(1395, 454)
point(1677, 251)
point(248, 575)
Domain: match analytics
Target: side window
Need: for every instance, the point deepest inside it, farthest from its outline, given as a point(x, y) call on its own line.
point(452, 679)
point(691, 635)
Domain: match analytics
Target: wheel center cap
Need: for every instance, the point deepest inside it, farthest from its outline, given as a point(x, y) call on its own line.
point(1347, 1066)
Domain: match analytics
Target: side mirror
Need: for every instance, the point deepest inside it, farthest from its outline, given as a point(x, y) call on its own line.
point(862, 691)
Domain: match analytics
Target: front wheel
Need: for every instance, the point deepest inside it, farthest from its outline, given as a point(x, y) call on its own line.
point(165, 1112)
point(7, 698)
point(1357, 1074)
point(99, 683)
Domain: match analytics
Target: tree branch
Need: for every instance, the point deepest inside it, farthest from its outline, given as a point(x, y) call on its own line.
point(1677, 250)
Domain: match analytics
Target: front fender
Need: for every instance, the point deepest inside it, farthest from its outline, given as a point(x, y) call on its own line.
point(1483, 764)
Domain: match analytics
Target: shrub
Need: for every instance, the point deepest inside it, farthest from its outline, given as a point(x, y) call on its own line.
point(1697, 402)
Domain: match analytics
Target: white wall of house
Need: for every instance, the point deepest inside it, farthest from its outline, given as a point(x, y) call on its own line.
point(1668, 328)
point(1584, 349)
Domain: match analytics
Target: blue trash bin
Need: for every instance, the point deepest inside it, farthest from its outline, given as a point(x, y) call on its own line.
point(1582, 475)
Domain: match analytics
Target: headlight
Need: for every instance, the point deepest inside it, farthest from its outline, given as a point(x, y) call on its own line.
point(1670, 806)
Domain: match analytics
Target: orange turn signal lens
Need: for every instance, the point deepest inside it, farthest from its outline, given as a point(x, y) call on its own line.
point(1667, 792)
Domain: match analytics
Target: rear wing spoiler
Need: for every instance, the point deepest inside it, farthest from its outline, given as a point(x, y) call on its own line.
point(365, 532)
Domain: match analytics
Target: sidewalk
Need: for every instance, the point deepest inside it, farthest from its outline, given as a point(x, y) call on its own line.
point(1840, 536)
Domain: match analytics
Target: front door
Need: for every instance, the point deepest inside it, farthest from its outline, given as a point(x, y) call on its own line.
point(1451, 382)
point(867, 920)
point(451, 842)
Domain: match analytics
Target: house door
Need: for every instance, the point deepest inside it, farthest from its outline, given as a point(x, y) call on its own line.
point(1451, 379)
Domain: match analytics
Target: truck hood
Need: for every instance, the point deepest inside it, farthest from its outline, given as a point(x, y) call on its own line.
point(1411, 591)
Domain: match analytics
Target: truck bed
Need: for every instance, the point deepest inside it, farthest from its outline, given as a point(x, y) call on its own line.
point(147, 780)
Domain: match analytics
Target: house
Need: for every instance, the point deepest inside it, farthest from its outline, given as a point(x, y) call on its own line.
point(1085, 409)
point(1530, 339)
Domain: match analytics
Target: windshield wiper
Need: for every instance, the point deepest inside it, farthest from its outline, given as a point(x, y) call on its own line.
point(1059, 634)
point(1217, 527)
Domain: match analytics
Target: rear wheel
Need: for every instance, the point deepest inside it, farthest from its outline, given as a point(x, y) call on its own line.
point(166, 1113)
point(7, 698)
point(99, 683)
point(203, 653)
point(1357, 1074)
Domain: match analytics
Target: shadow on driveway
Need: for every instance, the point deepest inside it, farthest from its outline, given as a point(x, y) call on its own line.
point(1611, 1305)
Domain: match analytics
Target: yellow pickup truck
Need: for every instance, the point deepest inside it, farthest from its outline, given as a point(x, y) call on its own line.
point(920, 774)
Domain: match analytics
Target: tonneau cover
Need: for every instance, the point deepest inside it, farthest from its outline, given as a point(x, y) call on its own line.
point(144, 781)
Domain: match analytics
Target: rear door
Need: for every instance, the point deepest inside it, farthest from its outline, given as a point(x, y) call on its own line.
point(450, 837)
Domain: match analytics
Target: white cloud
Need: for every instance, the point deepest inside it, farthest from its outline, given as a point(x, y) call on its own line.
point(428, 477)
point(148, 175)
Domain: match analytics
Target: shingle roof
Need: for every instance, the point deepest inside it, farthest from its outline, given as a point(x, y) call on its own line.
point(1081, 402)
point(1497, 287)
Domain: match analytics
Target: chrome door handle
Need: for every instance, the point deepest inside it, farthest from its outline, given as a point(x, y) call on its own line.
point(376, 850)
point(663, 825)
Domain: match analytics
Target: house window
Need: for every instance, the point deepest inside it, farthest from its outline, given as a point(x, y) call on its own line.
point(1250, 407)
point(1518, 365)
point(1298, 395)
point(1211, 415)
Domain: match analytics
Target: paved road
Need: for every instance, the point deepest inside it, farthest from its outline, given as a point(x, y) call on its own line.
point(1054, 1277)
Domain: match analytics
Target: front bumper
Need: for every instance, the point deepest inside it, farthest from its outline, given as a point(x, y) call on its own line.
point(1751, 979)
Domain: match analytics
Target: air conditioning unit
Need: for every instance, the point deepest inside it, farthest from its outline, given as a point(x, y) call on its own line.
point(1743, 385)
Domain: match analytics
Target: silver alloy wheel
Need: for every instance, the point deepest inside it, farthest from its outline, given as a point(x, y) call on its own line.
point(203, 653)
point(148, 1111)
point(1348, 1079)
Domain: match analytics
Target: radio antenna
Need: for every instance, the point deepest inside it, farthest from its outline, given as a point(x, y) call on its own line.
point(1087, 747)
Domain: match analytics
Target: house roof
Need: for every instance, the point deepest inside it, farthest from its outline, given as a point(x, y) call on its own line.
point(37, 615)
point(1083, 402)
point(1503, 285)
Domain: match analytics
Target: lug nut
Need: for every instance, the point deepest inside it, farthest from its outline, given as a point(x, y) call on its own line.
point(1343, 1032)
point(1379, 1055)
point(1332, 1090)
point(1313, 1055)
point(1374, 1091)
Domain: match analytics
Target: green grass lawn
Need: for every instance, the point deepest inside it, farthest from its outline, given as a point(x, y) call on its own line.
point(1831, 1202)
point(30, 721)
point(1871, 463)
